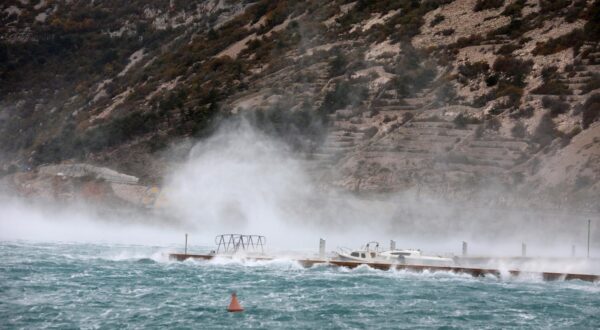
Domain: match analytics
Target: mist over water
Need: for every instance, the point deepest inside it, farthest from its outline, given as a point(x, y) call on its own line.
point(242, 181)
point(26, 220)
point(53, 285)
point(78, 265)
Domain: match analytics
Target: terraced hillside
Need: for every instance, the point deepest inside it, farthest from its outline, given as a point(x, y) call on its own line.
point(443, 96)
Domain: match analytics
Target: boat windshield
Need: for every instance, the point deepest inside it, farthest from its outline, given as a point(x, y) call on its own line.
point(355, 254)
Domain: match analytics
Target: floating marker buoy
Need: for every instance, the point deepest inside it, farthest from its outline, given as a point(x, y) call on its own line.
point(234, 305)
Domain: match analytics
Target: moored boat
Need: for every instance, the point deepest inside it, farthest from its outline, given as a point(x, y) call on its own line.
point(371, 253)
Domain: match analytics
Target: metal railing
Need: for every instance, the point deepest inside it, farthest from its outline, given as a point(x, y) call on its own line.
point(233, 243)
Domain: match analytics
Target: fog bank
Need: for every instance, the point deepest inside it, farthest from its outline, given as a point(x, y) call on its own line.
point(242, 181)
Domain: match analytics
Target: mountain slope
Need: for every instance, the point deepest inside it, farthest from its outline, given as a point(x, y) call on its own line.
point(445, 96)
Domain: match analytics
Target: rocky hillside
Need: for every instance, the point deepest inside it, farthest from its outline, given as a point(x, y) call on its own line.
point(443, 96)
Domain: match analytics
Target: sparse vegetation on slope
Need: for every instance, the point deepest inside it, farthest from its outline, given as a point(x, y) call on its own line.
point(342, 82)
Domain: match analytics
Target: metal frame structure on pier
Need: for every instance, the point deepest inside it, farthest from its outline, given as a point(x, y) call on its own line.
point(233, 243)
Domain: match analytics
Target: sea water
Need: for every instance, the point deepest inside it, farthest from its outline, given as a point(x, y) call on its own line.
point(63, 286)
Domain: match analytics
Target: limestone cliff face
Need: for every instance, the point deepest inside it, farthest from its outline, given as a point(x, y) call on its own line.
point(444, 96)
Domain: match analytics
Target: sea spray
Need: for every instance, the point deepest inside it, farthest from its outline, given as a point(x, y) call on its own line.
point(50, 285)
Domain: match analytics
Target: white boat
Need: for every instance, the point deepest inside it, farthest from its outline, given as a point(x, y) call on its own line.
point(370, 253)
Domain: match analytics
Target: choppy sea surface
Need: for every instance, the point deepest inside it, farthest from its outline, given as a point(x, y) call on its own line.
point(62, 286)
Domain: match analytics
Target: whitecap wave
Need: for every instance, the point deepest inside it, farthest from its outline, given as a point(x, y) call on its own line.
point(277, 263)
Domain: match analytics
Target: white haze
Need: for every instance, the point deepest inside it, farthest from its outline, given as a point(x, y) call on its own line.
point(21, 220)
point(241, 181)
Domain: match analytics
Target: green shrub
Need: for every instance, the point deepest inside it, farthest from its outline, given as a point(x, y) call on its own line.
point(437, 20)
point(508, 49)
point(592, 84)
point(411, 75)
point(482, 100)
point(445, 93)
point(591, 111)
point(551, 83)
point(550, 6)
point(591, 27)
point(258, 10)
point(119, 130)
point(556, 106)
point(573, 39)
point(406, 25)
point(445, 32)
point(546, 131)
point(156, 143)
point(575, 11)
point(63, 146)
point(69, 144)
point(514, 70)
point(488, 4)
point(342, 95)
point(472, 70)
point(462, 42)
point(514, 29)
point(513, 92)
point(526, 112)
point(337, 65)
point(498, 109)
point(514, 9)
point(172, 100)
point(552, 87)
point(461, 121)
point(549, 72)
point(300, 129)
point(387, 118)
point(491, 80)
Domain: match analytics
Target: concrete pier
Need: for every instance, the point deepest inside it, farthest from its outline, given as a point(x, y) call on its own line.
point(476, 272)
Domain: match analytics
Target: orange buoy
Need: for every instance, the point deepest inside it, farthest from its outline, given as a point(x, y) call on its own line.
point(234, 305)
